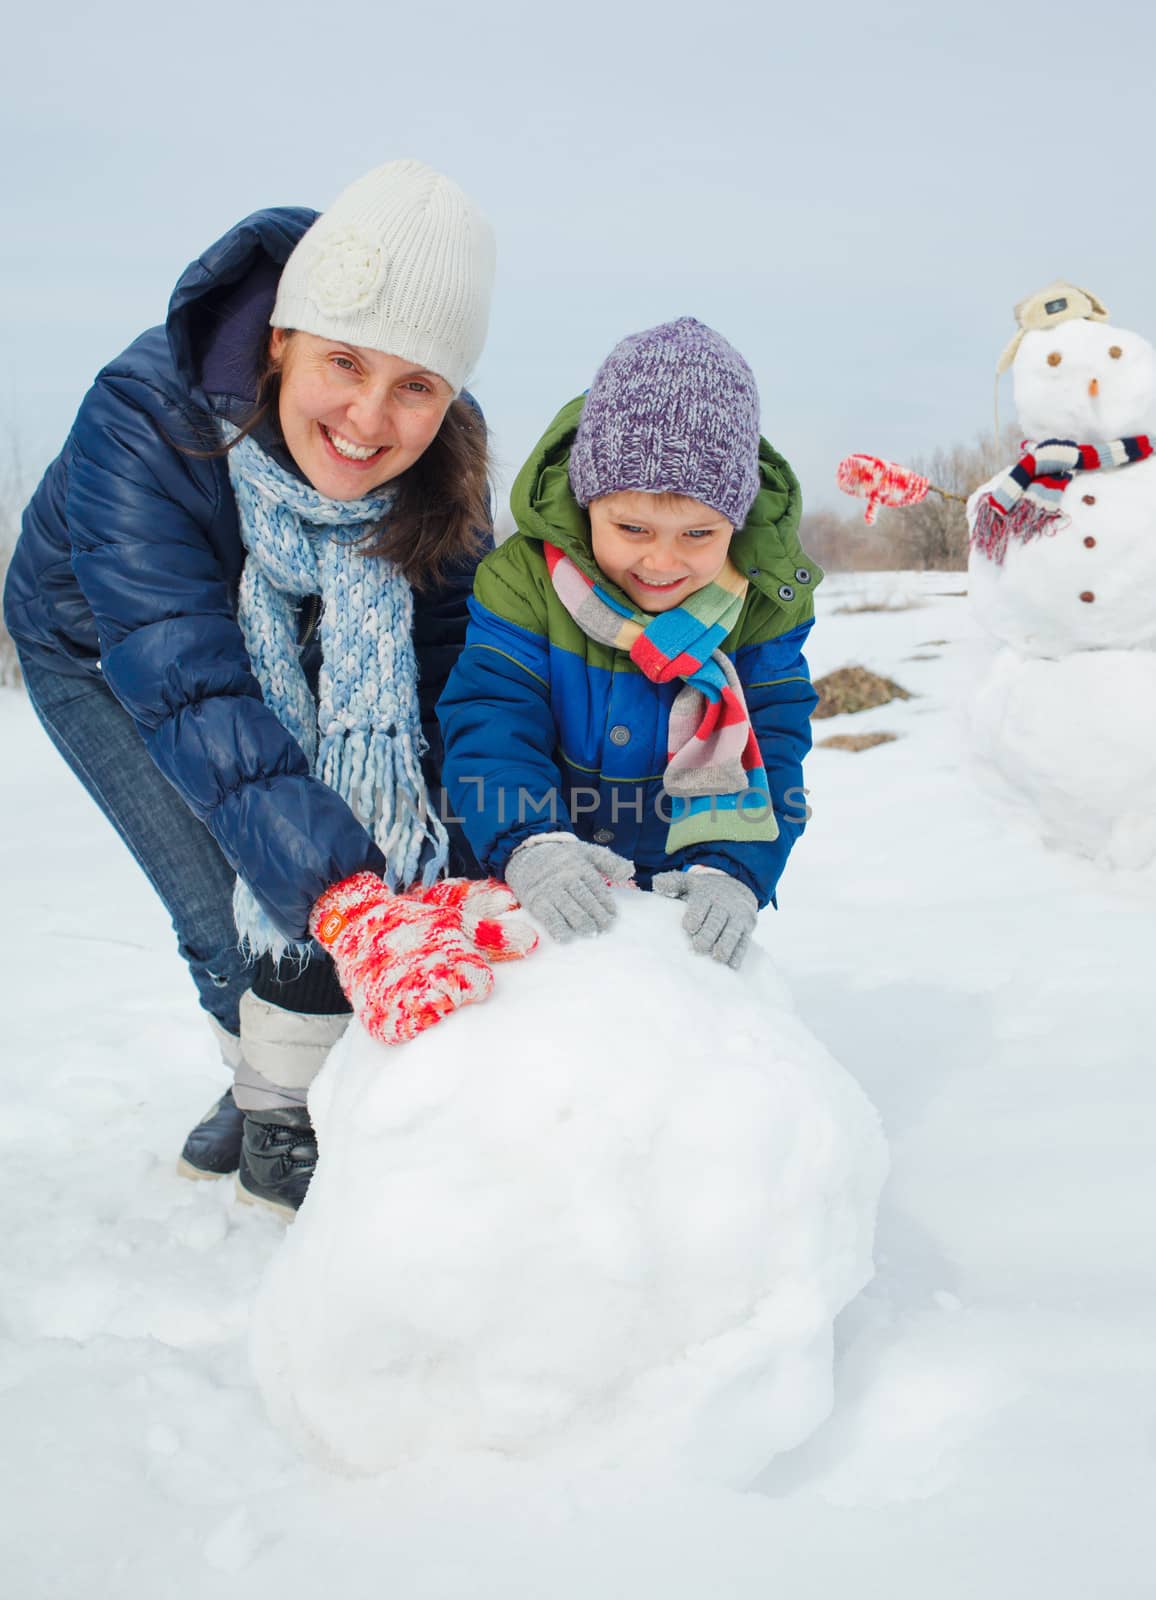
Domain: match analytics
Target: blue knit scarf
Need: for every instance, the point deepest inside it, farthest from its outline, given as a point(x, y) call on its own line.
point(363, 734)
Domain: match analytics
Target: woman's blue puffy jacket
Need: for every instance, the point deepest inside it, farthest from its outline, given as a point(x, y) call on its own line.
point(128, 564)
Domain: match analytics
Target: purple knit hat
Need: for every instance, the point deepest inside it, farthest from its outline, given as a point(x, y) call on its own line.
point(674, 410)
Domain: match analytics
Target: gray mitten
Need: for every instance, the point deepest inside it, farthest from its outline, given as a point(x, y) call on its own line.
point(720, 912)
point(562, 882)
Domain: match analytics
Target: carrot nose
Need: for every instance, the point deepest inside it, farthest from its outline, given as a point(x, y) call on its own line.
point(1094, 387)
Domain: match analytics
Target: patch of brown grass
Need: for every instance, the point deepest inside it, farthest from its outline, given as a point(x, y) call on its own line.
point(882, 605)
point(855, 689)
point(856, 741)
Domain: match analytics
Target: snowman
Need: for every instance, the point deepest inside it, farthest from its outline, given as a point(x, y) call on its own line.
point(1064, 543)
point(1062, 574)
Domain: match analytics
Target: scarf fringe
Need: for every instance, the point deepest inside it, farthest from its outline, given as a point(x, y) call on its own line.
point(258, 935)
point(381, 778)
point(994, 529)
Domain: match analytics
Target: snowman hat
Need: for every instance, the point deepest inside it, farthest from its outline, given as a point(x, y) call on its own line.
point(1059, 302)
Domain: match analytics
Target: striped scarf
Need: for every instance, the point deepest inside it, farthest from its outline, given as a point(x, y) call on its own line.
point(714, 772)
point(1025, 501)
point(362, 736)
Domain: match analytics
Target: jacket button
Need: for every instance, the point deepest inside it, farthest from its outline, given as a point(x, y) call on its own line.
point(1087, 596)
point(786, 592)
point(802, 574)
point(753, 572)
point(1090, 542)
point(1089, 499)
point(603, 835)
point(620, 734)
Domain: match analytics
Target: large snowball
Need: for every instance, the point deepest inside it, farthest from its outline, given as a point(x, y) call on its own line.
point(612, 1211)
point(1075, 740)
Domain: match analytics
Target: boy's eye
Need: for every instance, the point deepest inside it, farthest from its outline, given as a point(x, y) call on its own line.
point(630, 527)
point(699, 533)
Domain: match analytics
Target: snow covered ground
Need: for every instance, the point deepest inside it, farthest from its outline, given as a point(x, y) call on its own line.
point(994, 1424)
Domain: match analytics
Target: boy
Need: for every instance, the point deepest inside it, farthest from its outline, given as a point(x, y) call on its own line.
point(632, 673)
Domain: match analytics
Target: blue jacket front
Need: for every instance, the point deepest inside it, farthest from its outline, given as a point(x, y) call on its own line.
point(128, 564)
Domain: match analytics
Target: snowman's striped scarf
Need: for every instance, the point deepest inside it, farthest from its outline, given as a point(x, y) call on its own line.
point(1024, 502)
point(714, 774)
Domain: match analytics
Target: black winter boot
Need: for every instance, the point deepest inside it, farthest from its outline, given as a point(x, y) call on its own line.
point(214, 1146)
point(278, 1155)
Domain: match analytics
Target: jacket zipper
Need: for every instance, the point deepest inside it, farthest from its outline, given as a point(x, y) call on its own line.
point(312, 618)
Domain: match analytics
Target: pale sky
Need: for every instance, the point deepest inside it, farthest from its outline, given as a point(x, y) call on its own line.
point(855, 197)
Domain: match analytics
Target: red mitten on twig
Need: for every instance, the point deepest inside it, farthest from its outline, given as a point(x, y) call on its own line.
point(886, 483)
point(880, 483)
point(403, 964)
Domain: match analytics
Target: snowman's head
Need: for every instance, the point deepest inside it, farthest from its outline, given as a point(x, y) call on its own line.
point(1084, 380)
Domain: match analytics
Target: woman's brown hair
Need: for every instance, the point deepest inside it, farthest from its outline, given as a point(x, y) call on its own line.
point(441, 508)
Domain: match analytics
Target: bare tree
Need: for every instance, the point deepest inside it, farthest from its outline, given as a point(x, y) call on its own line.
point(844, 542)
point(933, 536)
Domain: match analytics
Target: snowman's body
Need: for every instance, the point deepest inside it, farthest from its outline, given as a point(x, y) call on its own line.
point(1064, 714)
point(1090, 584)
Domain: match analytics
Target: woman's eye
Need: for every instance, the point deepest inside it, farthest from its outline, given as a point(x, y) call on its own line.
point(414, 392)
point(346, 363)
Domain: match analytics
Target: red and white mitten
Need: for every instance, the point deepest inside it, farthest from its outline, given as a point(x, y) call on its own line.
point(490, 913)
point(402, 962)
point(882, 483)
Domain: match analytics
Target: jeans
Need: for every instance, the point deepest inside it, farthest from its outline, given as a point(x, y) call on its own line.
point(176, 852)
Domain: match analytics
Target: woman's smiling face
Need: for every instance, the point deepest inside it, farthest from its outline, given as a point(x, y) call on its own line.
point(353, 418)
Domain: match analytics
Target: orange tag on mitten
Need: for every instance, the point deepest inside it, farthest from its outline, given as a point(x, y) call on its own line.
point(330, 926)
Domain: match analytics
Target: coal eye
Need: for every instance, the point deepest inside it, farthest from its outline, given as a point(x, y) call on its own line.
point(1115, 352)
point(1055, 358)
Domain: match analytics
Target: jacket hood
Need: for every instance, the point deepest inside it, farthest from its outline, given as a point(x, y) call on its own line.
point(220, 308)
point(765, 549)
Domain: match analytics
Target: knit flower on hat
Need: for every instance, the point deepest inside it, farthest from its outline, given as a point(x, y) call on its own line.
point(346, 271)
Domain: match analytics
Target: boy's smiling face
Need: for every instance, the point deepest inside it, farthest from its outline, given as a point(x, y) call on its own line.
point(658, 548)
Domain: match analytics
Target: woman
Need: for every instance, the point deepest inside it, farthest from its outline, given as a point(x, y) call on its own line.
point(238, 593)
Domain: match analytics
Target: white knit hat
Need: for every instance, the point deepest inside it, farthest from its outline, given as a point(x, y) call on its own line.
point(401, 262)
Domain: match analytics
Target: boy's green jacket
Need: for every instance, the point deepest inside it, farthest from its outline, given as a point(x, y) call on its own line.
point(546, 730)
